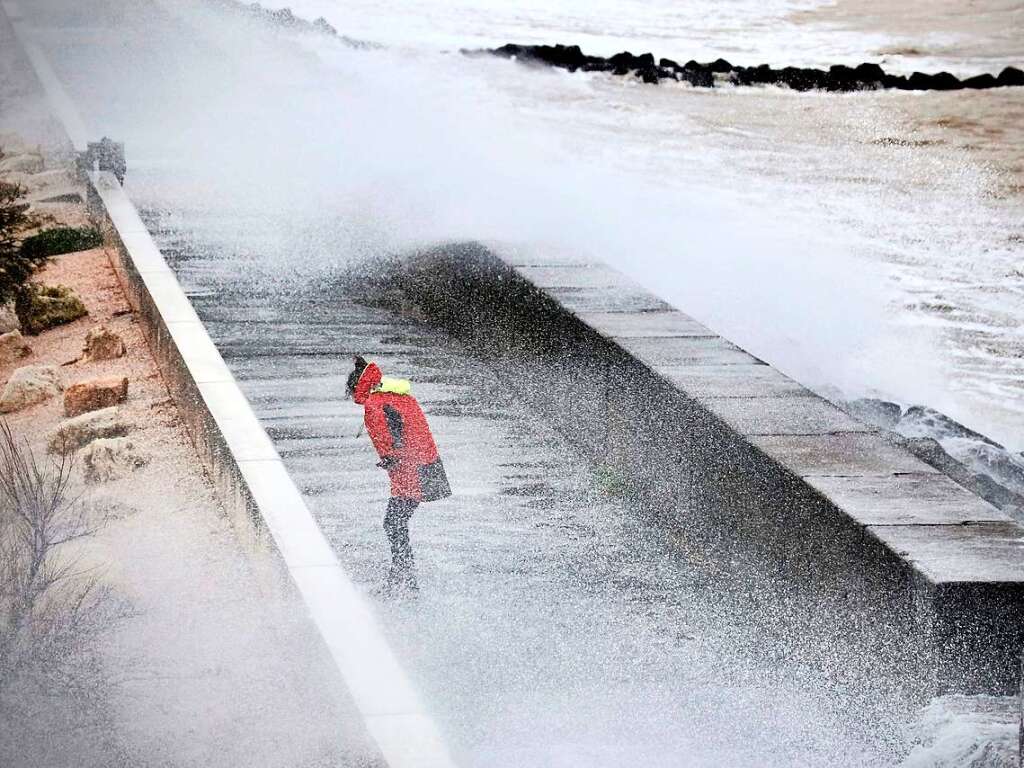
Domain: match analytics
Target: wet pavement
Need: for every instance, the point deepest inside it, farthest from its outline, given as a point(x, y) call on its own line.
point(554, 624)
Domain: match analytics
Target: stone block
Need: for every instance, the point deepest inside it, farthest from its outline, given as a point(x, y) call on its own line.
point(13, 347)
point(79, 431)
point(109, 459)
point(30, 385)
point(668, 353)
point(628, 325)
point(103, 344)
point(623, 299)
point(783, 415)
point(575, 277)
point(957, 554)
point(95, 394)
point(737, 380)
point(926, 499)
point(849, 454)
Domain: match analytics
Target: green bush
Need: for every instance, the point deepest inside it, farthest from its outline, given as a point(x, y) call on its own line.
point(41, 307)
point(15, 266)
point(54, 242)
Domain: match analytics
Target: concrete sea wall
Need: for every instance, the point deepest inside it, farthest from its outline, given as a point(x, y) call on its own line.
point(855, 553)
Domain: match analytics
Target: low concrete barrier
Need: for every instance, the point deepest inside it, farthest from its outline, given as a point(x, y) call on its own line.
point(851, 550)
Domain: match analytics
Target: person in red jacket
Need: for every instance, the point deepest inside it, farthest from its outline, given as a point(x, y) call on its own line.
point(399, 431)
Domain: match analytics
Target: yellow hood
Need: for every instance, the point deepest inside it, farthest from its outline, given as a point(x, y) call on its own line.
point(394, 386)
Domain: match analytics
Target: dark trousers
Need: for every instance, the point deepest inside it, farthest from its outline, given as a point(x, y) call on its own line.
point(396, 525)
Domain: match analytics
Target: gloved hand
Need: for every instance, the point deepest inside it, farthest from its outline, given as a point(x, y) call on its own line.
point(388, 462)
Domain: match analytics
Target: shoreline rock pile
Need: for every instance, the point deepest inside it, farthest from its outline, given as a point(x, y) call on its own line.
point(837, 78)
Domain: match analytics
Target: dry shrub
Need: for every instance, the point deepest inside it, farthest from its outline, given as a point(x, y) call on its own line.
point(52, 611)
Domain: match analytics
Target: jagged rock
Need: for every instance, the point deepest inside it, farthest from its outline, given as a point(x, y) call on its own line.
point(650, 74)
point(800, 79)
point(841, 78)
point(13, 347)
point(1010, 76)
point(75, 433)
point(944, 81)
point(879, 413)
point(108, 459)
point(869, 73)
point(700, 77)
point(8, 318)
point(95, 394)
point(980, 81)
point(921, 421)
point(24, 163)
point(41, 307)
point(919, 81)
point(837, 78)
point(102, 344)
point(30, 385)
point(629, 61)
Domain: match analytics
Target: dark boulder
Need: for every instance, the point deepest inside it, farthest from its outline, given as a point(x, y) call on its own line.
point(896, 81)
point(668, 64)
point(919, 81)
point(509, 50)
point(841, 78)
point(980, 81)
point(760, 74)
point(869, 73)
point(720, 65)
point(701, 77)
point(800, 79)
point(944, 81)
point(568, 56)
point(629, 61)
point(1010, 76)
point(649, 74)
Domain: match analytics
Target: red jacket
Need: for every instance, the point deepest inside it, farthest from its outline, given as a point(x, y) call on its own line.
point(399, 431)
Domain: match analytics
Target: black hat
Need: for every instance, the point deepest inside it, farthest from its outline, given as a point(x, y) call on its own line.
point(353, 378)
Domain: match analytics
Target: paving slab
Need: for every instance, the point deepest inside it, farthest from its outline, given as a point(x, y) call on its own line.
point(574, 276)
point(842, 454)
point(952, 554)
point(607, 299)
point(925, 499)
point(736, 380)
point(785, 415)
point(631, 325)
point(670, 352)
point(534, 255)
